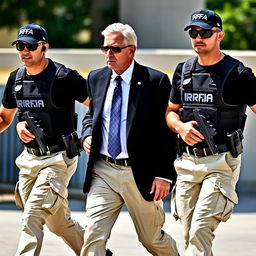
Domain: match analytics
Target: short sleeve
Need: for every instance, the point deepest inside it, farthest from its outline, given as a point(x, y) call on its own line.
point(8, 99)
point(175, 94)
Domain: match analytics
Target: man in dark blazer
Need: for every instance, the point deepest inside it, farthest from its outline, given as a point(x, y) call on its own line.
point(131, 151)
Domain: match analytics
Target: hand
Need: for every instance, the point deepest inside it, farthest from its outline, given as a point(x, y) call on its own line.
point(161, 189)
point(23, 133)
point(189, 134)
point(87, 144)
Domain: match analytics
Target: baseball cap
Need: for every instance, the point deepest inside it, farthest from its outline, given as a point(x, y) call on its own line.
point(31, 33)
point(205, 19)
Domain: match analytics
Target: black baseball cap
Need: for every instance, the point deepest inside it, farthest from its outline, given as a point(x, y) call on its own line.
point(205, 19)
point(31, 33)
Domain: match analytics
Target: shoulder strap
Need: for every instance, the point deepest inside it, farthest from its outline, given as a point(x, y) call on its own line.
point(58, 67)
point(228, 66)
point(19, 78)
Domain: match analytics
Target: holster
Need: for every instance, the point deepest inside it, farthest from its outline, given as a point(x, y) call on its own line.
point(235, 142)
point(72, 144)
point(179, 146)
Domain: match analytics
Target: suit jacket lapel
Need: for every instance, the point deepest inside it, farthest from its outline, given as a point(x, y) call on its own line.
point(134, 96)
point(102, 88)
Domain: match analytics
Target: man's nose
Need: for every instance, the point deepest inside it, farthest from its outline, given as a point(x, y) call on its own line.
point(109, 52)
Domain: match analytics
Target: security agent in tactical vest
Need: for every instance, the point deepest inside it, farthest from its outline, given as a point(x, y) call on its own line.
point(35, 97)
point(203, 93)
point(44, 93)
point(212, 91)
point(206, 109)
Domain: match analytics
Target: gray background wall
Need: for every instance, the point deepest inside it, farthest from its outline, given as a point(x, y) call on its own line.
point(159, 23)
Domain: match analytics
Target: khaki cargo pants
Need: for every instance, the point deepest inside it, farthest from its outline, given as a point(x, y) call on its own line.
point(42, 193)
point(112, 187)
point(203, 197)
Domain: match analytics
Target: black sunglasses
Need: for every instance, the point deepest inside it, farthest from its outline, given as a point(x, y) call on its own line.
point(205, 33)
point(31, 47)
point(115, 49)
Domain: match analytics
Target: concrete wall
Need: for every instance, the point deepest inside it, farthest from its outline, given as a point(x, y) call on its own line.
point(159, 23)
point(165, 60)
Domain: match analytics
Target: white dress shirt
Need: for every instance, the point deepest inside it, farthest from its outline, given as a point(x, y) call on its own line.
point(126, 82)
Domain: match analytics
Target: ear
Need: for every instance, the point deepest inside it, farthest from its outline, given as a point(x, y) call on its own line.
point(45, 47)
point(133, 49)
point(221, 35)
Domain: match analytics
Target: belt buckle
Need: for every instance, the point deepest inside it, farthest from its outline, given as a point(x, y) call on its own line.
point(115, 161)
point(32, 152)
point(194, 151)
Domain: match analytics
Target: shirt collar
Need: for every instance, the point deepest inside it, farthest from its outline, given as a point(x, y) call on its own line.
point(126, 75)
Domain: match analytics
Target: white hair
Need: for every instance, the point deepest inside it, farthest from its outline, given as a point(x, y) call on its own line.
point(126, 30)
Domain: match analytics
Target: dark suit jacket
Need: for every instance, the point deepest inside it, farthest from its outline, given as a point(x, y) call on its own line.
point(150, 143)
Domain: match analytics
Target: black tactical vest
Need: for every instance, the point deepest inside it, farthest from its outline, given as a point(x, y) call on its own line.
point(199, 91)
point(36, 97)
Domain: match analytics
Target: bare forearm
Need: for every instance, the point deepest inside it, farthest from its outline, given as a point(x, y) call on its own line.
point(6, 117)
point(3, 125)
point(173, 121)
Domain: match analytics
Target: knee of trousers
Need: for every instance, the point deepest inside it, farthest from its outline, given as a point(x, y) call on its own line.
point(150, 240)
point(96, 234)
point(63, 225)
point(201, 235)
point(32, 224)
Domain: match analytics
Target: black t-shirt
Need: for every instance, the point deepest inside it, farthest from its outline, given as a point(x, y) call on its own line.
point(239, 89)
point(69, 86)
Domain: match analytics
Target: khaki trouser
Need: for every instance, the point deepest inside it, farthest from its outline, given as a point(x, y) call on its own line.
point(112, 186)
point(42, 192)
point(204, 196)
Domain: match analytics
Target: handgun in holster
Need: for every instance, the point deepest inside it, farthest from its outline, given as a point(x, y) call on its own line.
point(72, 144)
point(235, 142)
point(179, 146)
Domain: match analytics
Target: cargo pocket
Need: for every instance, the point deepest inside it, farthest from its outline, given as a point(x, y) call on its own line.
point(225, 204)
point(52, 201)
point(173, 204)
point(18, 200)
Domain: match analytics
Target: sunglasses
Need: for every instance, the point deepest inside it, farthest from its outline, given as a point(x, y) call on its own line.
point(205, 33)
point(31, 47)
point(115, 49)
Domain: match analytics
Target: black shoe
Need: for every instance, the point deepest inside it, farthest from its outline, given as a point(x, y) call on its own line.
point(108, 253)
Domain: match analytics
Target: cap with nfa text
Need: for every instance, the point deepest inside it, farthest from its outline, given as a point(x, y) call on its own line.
point(31, 33)
point(205, 19)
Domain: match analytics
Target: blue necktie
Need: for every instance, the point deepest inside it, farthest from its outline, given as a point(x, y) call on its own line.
point(114, 142)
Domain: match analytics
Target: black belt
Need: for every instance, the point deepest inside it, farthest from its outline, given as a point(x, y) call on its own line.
point(123, 162)
point(38, 151)
point(201, 152)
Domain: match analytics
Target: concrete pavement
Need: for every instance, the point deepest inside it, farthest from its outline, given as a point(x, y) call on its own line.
point(237, 237)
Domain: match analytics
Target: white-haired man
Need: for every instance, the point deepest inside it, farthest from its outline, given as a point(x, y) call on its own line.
point(131, 150)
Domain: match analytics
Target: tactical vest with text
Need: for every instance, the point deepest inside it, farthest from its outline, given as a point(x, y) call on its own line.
point(199, 91)
point(36, 97)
